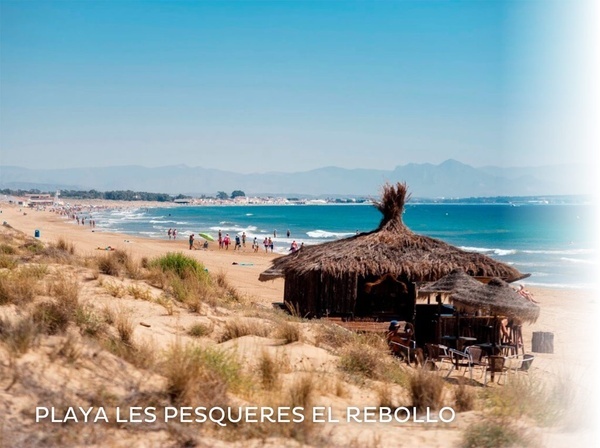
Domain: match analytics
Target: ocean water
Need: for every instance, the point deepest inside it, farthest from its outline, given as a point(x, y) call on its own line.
point(555, 243)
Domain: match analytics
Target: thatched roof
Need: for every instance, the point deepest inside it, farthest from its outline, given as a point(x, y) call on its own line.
point(497, 297)
point(392, 248)
point(456, 279)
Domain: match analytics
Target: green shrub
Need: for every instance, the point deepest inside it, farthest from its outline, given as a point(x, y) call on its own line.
point(495, 434)
point(180, 265)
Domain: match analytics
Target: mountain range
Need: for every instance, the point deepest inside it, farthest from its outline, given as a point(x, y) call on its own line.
point(450, 179)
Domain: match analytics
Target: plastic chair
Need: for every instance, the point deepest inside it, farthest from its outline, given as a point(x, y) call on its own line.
point(437, 353)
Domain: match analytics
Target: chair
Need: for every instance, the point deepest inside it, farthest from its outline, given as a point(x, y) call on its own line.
point(496, 364)
point(519, 363)
point(471, 357)
point(403, 348)
point(436, 353)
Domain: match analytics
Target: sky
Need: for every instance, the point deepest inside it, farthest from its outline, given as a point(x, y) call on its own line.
point(257, 86)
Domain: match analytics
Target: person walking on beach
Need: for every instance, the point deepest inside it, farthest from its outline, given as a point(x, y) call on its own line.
point(288, 233)
point(191, 241)
point(226, 241)
point(174, 233)
point(255, 245)
point(244, 239)
point(238, 245)
point(266, 244)
point(170, 232)
point(271, 245)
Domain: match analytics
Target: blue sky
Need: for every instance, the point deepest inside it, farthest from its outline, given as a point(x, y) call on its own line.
point(291, 86)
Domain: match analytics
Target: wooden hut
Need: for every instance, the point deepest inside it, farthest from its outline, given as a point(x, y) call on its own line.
point(375, 273)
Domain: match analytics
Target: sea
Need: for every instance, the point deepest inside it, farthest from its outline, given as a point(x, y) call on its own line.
point(554, 242)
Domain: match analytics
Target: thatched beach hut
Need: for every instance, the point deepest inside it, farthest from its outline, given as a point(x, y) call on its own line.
point(375, 273)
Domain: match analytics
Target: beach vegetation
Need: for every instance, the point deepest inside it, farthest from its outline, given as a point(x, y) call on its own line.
point(88, 320)
point(196, 375)
point(7, 261)
point(288, 332)
point(496, 433)
point(199, 330)
point(363, 361)
point(236, 329)
point(17, 287)
point(19, 337)
point(7, 249)
point(52, 317)
point(180, 265)
point(66, 291)
point(268, 371)
point(546, 402)
point(426, 390)
point(108, 264)
point(140, 293)
point(124, 325)
point(302, 391)
point(464, 396)
point(116, 290)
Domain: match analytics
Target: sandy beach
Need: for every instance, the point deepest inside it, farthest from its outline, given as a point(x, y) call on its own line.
point(568, 313)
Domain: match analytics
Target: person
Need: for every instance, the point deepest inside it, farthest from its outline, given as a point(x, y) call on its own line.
point(294, 246)
point(288, 233)
point(504, 331)
point(275, 233)
point(392, 331)
point(170, 232)
point(226, 241)
point(266, 244)
point(220, 240)
point(255, 245)
point(174, 233)
point(271, 245)
point(205, 245)
point(524, 293)
point(191, 241)
point(238, 245)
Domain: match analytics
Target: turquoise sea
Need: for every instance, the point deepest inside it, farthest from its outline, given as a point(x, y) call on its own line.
point(555, 243)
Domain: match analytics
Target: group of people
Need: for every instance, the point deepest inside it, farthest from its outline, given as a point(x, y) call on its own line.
point(172, 233)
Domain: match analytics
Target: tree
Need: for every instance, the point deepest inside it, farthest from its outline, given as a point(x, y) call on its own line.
point(222, 195)
point(237, 193)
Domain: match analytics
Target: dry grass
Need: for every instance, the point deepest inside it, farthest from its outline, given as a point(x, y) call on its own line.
point(66, 291)
point(124, 325)
point(116, 290)
point(194, 375)
point(288, 332)
point(17, 287)
point(89, 321)
point(140, 293)
point(166, 303)
point(362, 361)
point(302, 391)
point(109, 264)
point(52, 317)
point(7, 261)
point(268, 371)
point(496, 434)
point(199, 330)
point(426, 390)
point(546, 402)
point(19, 337)
point(236, 329)
point(464, 397)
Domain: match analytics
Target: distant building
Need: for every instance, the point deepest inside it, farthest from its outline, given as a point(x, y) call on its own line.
point(37, 200)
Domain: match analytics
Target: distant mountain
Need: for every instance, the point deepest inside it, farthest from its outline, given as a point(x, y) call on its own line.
point(448, 179)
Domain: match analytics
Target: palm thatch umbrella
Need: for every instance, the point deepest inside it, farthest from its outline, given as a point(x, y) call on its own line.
point(497, 298)
point(456, 279)
point(321, 275)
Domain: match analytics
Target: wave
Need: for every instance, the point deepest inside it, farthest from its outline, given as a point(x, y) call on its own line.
point(486, 250)
point(561, 252)
point(577, 260)
point(323, 234)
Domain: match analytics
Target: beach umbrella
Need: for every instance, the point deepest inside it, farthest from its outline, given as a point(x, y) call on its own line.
point(456, 279)
point(497, 297)
point(206, 236)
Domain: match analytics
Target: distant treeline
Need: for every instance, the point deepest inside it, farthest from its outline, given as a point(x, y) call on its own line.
point(119, 195)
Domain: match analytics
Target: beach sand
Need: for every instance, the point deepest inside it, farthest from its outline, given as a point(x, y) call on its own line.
point(569, 314)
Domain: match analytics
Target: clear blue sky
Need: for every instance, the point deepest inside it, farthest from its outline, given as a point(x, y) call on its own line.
point(253, 86)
